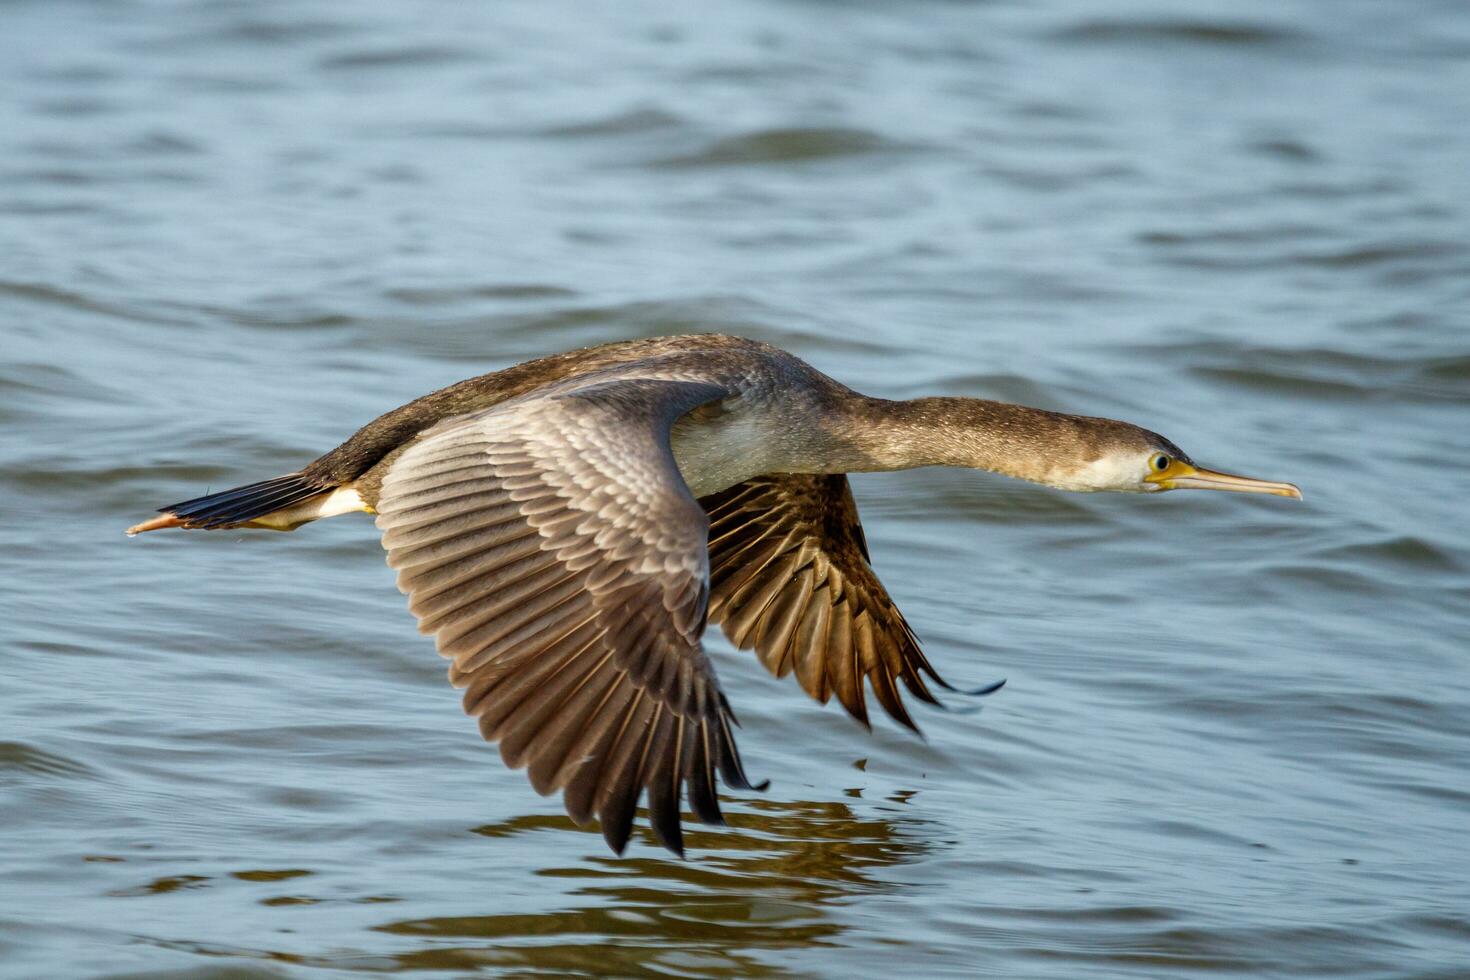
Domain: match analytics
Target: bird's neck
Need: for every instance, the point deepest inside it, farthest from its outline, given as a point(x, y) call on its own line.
point(875, 434)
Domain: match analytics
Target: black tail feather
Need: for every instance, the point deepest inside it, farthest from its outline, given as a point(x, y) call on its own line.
point(240, 505)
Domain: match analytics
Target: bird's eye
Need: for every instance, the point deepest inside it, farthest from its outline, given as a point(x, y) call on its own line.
point(1161, 462)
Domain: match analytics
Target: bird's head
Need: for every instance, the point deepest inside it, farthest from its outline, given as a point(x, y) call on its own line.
point(1135, 460)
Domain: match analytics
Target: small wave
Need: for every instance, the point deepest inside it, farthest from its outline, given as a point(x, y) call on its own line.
point(1409, 553)
point(162, 143)
point(79, 106)
point(70, 298)
point(84, 479)
point(531, 333)
point(1219, 33)
point(422, 130)
point(388, 58)
point(617, 124)
point(1291, 151)
point(1284, 382)
point(1448, 369)
point(1049, 110)
point(450, 295)
point(49, 209)
point(1037, 179)
point(1329, 190)
point(1248, 235)
point(1323, 373)
point(275, 33)
point(231, 83)
point(1341, 717)
point(1087, 915)
point(20, 757)
point(775, 146)
point(1380, 254)
point(282, 317)
point(76, 74)
point(1455, 927)
point(188, 37)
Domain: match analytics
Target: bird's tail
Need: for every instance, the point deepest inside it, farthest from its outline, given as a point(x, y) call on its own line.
point(237, 507)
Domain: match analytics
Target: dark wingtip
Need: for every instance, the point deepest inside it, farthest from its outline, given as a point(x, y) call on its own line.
point(618, 843)
point(905, 719)
point(977, 692)
point(742, 781)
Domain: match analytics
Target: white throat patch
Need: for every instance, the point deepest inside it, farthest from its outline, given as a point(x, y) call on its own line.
point(1116, 473)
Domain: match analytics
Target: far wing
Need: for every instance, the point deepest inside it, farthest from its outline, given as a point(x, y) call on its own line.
point(789, 576)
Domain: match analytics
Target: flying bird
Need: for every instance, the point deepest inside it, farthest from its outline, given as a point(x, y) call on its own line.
point(565, 528)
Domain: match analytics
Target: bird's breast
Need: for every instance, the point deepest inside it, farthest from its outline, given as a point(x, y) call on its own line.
point(716, 450)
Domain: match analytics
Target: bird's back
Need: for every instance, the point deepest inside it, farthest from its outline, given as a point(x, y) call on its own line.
point(715, 355)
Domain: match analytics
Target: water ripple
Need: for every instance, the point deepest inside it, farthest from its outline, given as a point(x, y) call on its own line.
point(784, 146)
point(1245, 34)
point(18, 757)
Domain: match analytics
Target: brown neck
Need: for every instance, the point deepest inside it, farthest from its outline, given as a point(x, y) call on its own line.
point(1028, 443)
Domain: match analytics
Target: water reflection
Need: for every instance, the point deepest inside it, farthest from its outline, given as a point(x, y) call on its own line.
point(764, 882)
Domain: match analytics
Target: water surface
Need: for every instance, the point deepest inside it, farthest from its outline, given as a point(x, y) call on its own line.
point(1234, 738)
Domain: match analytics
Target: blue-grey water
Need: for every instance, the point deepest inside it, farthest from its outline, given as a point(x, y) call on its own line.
point(1235, 736)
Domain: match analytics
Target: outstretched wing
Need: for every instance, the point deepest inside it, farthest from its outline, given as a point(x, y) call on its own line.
point(558, 557)
point(789, 576)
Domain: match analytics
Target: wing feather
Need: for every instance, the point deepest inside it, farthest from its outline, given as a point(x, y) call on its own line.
point(552, 547)
point(789, 576)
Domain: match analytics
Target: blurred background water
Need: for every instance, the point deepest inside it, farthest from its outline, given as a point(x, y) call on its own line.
point(1235, 734)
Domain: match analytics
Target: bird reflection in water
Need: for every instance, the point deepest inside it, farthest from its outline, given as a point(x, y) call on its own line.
point(764, 882)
